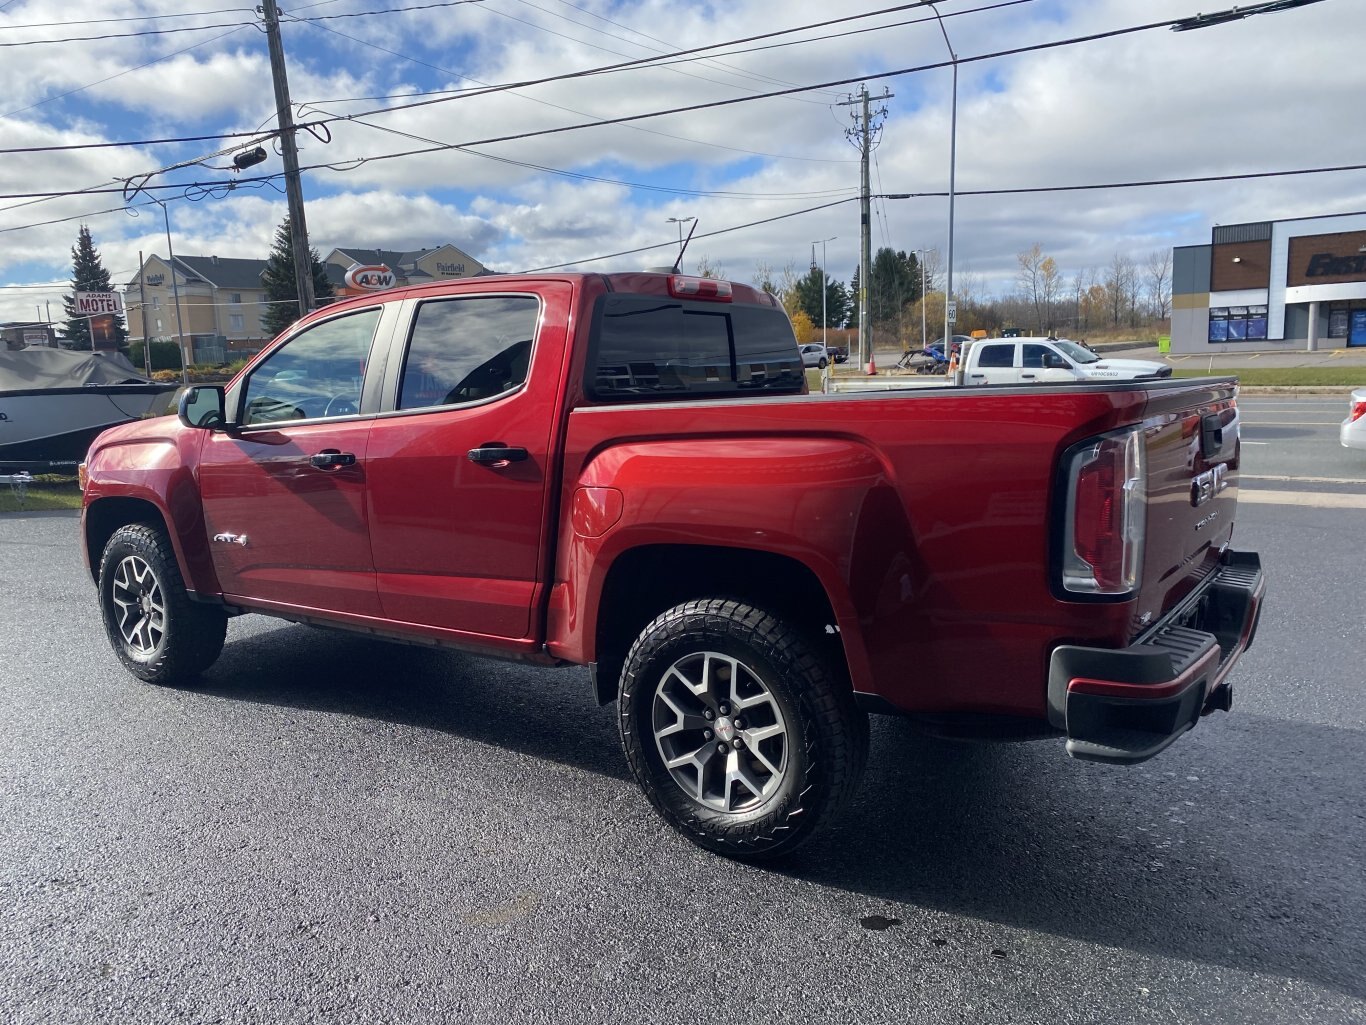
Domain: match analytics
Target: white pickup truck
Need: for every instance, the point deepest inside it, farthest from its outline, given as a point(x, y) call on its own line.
point(1050, 360)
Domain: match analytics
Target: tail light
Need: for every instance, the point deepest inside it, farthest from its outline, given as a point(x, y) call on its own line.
point(1105, 514)
point(1358, 411)
point(82, 476)
point(684, 287)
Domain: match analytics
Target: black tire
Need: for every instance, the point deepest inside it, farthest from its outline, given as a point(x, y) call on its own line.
point(786, 686)
point(823, 363)
point(158, 633)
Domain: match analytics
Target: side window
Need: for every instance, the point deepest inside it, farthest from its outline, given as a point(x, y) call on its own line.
point(466, 350)
point(996, 356)
point(1035, 357)
point(316, 373)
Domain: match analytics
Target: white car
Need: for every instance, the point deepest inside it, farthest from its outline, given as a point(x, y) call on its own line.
point(1353, 431)
point(814, 355)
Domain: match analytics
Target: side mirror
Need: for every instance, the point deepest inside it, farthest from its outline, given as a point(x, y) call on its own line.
point(201, 406)
point(1053, 361)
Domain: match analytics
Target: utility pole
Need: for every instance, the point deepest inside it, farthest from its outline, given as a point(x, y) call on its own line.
point(864, 136)
point(298, 227)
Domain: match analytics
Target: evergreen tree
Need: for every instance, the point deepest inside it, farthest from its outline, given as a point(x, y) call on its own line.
point(895, 282)
point(282, 290)
point(836, 308)
point(88, 275)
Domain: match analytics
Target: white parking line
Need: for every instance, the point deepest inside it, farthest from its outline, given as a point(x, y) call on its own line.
point(1300, 480)
point(1290, 423)
point(1315, 499)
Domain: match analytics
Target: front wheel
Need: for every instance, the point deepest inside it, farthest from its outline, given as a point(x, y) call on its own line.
point(158, 633)
point(738, 733)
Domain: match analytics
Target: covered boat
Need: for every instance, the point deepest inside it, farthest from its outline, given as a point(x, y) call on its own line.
point(53, 403)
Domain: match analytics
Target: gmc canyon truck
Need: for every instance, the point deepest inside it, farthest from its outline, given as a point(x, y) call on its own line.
point(626, 472)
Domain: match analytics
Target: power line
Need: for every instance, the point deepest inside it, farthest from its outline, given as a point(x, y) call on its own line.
point(131, 35)
point(140, 17)
point(485, 87)
point(708, 234)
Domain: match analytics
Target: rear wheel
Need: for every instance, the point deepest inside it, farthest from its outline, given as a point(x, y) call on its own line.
point(158, 633)
point(823, 363)
point(739, 734)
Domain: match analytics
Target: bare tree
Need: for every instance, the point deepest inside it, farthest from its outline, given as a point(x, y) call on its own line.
point(1121, 288)
point(933, 262)
point(708, 268)
point(1159, 273)
point(1030, 277)
point(1050, 285)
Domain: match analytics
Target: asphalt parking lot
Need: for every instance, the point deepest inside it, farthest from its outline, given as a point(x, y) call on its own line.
point(334, 829)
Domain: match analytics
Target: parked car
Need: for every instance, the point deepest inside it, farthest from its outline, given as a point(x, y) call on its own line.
point(1353, 432)
point(627, 472)
point(1051, 361)
point(814, 354)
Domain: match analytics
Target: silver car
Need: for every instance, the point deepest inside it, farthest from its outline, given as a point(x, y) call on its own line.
point(814, 355)
point(1353, 431)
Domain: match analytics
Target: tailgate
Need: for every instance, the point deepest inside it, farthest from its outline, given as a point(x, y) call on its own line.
point(1192, 449)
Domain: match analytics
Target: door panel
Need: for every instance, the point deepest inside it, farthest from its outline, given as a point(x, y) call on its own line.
point(286, 531)
point(284, 493)
point(459, 545)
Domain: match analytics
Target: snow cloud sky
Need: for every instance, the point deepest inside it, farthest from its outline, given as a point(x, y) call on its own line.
point(1272, 92)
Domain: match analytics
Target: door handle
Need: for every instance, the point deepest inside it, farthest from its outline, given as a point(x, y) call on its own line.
point(1026, 377)
point(495, 453)
point(331, 459)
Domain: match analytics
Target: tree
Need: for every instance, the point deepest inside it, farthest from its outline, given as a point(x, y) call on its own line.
point(836, 306)
point(282, 290)
point(88, 275)
point(803, 328)
point(1120, 288)
point(1159, 274)
point(894, 282)
point(706, 268)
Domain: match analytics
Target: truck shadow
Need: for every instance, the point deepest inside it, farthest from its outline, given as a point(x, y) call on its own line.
point(1240, 846)
point(544, 713)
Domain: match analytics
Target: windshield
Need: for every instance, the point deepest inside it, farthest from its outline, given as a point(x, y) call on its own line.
point(1078, 353)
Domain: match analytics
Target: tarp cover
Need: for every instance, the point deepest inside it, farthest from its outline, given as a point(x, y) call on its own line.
point(38, 367)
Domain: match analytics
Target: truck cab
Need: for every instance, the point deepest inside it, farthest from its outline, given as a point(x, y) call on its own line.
point(1051, 361)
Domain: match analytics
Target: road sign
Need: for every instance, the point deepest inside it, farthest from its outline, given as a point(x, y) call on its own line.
point(953, 312)
point(93, 304)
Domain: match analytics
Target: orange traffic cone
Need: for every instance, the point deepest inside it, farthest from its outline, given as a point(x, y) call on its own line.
point(953, 363)
point(872, 364)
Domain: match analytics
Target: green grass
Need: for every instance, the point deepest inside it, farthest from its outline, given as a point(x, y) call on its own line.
point(1336, 377)
point(46, 492)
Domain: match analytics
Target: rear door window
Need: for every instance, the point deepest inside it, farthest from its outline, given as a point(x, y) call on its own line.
point(652, 346)
point(468, 350)
point(996, 356)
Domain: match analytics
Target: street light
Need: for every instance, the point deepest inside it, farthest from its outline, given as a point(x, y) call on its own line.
point(825, 288)
point(680, 221)
point(175, 290)
point(953, 160)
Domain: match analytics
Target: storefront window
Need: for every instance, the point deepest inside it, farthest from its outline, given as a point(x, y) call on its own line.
point(1337, 322)
point(1237, 323)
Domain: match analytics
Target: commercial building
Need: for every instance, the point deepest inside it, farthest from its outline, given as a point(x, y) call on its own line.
point(1292, 284)
point(221, 302)
point(390, 268)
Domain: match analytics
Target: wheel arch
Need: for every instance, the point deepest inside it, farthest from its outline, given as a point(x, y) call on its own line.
point(649, 579)
point(105, 514)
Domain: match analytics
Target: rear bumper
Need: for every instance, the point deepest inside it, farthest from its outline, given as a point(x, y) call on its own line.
point(1124, 706)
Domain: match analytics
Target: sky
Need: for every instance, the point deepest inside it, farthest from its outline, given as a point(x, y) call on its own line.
point(764, 175)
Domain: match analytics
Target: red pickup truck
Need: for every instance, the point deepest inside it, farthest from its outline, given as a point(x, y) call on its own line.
point(625, 471)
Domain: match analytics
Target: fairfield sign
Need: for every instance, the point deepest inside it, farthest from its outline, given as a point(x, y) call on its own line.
point(98, 304)
point(370, 278)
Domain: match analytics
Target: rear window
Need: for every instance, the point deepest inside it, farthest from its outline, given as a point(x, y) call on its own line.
point(651, 346)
